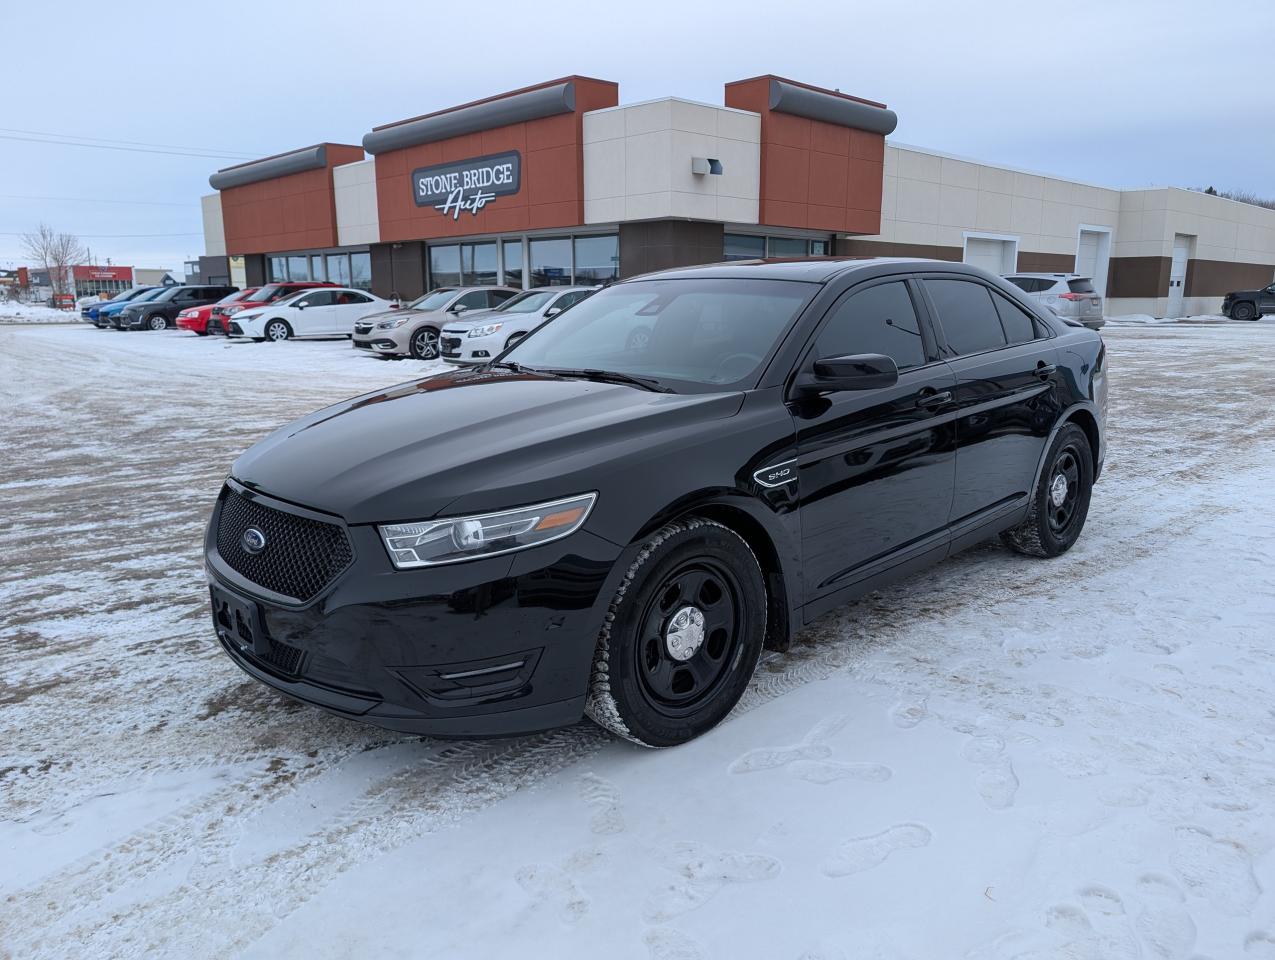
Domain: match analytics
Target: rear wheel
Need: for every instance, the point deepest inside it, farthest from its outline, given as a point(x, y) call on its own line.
point(1060, 502)
point(682, 636)
point(277, 330)
point(1243, 311)
point(425, 344)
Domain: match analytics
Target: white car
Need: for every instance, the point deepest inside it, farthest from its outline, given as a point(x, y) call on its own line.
point(317, 312)
point(484, 334)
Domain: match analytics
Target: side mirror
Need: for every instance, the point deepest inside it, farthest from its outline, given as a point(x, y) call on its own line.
point(552, 312)
point(863, 371)
point(457, 308)
point(303, 304)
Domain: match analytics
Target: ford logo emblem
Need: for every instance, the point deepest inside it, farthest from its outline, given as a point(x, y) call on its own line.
point(253, 541)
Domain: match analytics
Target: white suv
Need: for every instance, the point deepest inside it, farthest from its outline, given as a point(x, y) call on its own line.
point(1068, 294)
point(483, 335)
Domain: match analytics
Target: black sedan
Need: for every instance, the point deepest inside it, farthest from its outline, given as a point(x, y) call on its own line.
point(602, 524)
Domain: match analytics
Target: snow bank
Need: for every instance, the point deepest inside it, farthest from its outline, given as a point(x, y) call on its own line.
point(14, 312)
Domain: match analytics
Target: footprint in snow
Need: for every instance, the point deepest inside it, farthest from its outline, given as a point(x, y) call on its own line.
point(702, 873)
point(997, 784)
point(604, 797)
point(814, 746)
point(551, 885)
point(1260, 945)
point(907, 714)
point(1217, 869)
point(863, 853)
point(1164, 924)
point(665, 944)
point(829, 771)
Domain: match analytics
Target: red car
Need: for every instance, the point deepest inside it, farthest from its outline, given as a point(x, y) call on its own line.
point(219, 319)
point(196, 318)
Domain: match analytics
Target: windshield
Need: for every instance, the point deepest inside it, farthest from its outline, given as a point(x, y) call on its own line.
point(701, 333)
point(129, 295)
point(528, 302)
point(435, 300)
point(232, 297)
point(269, 293)
point(167, 293)
point(153, 294)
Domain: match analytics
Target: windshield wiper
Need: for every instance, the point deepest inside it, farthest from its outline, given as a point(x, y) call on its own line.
point(608, 376)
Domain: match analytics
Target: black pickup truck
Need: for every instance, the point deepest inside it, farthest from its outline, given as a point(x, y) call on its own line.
point(1249, 304)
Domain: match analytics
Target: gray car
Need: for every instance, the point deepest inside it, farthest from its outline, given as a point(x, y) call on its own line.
point(1067, 294)
point(478, 336)
point(413, 331)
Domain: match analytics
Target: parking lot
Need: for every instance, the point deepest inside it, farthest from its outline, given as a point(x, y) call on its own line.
point(998, 758)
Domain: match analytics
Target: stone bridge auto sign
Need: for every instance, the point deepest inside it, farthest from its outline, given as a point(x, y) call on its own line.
point(466, 186)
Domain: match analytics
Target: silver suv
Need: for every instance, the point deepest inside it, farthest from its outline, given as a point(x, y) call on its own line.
point(1067, 294)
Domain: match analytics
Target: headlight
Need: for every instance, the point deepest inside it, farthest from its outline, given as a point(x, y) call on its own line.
point(233, 308)
point(486, 331)
point(433, 542)
point(391, 324)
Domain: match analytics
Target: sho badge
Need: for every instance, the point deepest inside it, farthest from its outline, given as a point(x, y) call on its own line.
point(253, 541)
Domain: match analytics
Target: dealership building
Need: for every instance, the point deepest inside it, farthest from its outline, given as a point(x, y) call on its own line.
point(559, 183)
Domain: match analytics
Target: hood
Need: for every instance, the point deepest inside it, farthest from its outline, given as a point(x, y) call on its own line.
point(482, 440)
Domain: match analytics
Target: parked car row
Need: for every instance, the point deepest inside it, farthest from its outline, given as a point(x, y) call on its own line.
point(463, 325)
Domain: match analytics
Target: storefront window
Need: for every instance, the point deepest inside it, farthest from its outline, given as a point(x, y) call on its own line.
point(278, 269)
point(316, 268)
point(361, 271)
point(551, 263)
point(513, 263)
point(738, 246)
point(478, 264)
point(444, 266)
point(298, 269)
point(597, 259)
point(339, 268)
point(788, 247)
point(818, 248)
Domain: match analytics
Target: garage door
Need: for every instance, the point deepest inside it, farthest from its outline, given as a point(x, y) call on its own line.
point(1087, 254)
point(995, 256)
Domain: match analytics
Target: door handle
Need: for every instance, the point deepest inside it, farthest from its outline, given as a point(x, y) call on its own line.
point(931, 400)
point(1045, 370)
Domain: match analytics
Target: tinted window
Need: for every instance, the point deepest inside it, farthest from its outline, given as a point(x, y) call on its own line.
point(1080, 286)
point(497, 297)
point(315, 298)
point(700, 333)
point(1018, 326)
point(1028, 284)
point(966, 313)
point(474, 300)
point(880, 319)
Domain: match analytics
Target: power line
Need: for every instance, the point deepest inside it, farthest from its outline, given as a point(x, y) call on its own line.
point(149, 203)
point(131, 143)
point(107, 146)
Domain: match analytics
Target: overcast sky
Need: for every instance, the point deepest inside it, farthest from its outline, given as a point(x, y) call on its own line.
point(1134, 93)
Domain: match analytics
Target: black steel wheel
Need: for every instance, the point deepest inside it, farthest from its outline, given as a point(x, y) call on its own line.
point(1243, 311)
point(425, 344)
point(682, 636)
point(1060, 502)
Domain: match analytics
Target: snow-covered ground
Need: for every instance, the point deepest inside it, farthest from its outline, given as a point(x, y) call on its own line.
point(1000, 758)
point(11, 311)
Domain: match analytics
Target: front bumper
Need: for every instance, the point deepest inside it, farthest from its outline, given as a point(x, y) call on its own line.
point(459, 348)
point(502, 645)
point(193, 324)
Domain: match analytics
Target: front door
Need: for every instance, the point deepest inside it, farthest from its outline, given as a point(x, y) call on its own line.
point(1266, 301)
point(1006, 393)
point(1177, 274)
point(876, 467)
point(316, 318)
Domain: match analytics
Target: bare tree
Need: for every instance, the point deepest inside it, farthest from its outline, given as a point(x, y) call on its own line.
point(54, 253)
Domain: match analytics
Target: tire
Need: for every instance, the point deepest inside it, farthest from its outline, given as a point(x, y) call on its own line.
point(202, 333)
point(157, 321)
point(425, 345)
point(639, 688)
point(1051, 526)
point(277, 331)
point(1243, 311)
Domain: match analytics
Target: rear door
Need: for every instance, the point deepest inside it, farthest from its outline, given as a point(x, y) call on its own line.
point(1007, 394)
point(876, 467)
point(350, 306)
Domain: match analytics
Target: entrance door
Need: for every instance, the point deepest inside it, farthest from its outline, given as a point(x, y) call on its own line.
point(1177, 273)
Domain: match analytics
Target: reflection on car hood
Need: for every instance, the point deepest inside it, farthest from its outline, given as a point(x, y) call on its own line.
point(471, 318)
point(475, 440)
point(401, 312)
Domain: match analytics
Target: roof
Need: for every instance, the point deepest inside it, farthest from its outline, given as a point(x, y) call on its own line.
point(806, 269)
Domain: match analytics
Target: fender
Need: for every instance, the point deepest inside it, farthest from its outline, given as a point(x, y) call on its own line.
point(1067, 416)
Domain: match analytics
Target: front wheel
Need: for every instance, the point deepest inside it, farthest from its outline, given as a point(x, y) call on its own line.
point(681, 637)
point(158, 322)
point(277, 330)
point(425, 344)
point(1243, 311)
point(1060, 502)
